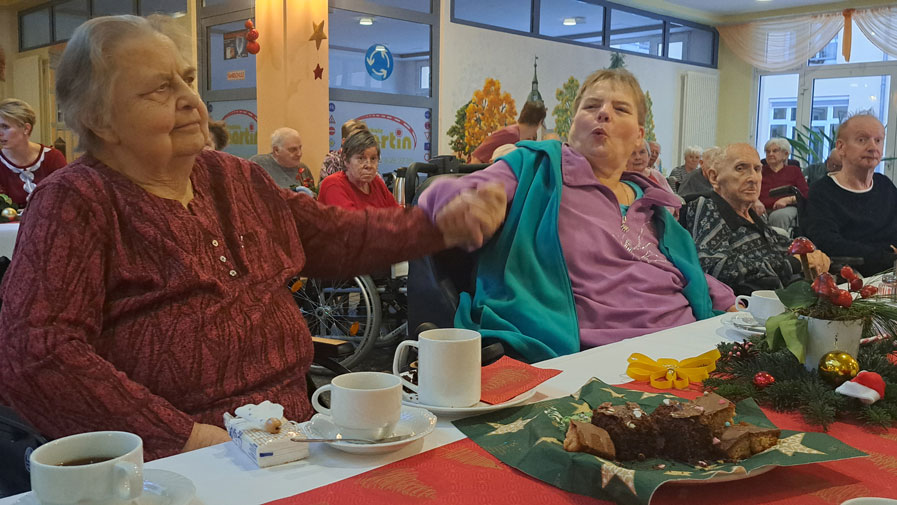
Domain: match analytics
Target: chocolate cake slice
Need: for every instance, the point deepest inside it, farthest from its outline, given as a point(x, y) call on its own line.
point(630, 428)
point(690, 430)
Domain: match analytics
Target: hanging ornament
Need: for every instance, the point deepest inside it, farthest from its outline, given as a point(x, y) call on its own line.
point(868, 387)
point(9, 214)
point(248, 24)
point(837, 367)
point(763, 379)
point(252, 47)
point(252, 34)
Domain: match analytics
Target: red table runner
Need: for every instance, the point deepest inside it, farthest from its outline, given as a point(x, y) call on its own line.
point(464, 473)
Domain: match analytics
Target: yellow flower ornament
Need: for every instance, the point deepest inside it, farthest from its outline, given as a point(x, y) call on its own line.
point(666, 373)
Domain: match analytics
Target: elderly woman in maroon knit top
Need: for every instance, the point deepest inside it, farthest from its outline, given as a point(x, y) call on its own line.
point(147, 290)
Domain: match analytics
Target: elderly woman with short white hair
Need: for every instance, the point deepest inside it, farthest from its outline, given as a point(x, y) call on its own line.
point(777, 172)
point(639, 162)
point(692, 160)
point(149, 278)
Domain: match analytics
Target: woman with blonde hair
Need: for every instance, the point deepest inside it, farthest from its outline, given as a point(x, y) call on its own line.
point(24, 163)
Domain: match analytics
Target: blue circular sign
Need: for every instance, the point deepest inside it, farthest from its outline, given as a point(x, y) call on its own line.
point(378, 62)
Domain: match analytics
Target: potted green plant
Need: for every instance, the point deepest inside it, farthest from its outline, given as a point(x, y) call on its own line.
point(822, 317)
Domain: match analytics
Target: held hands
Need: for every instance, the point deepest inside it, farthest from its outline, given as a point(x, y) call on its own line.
point(205, 435)
point(781, 203)
point(472, 217)
point(759, 208)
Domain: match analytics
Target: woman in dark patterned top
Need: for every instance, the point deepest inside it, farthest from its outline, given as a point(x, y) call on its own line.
point(734, 244)
point(147, 289)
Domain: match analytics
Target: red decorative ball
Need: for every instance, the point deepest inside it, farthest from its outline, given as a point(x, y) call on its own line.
point(842, 298)
point(248, 24)
point(868, 291)
point(252, 47)
point(856, 284)
point(847, 273)
point(763, 379)
point(252, 34)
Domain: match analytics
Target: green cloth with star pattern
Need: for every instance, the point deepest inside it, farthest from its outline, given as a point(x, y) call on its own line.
point(530, 438)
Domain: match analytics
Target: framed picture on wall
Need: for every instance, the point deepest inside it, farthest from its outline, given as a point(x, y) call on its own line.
point(235, 45)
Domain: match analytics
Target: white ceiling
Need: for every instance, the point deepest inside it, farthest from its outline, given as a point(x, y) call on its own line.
point(731, 7)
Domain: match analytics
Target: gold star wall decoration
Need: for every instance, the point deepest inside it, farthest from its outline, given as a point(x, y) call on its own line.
point(502, 429)
point(319, 72)
point(794, 443)
point(317, 34)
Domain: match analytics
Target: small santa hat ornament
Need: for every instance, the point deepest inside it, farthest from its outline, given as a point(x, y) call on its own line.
point(868, 387)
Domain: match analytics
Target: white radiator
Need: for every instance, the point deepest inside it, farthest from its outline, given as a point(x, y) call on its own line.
point(698, 101)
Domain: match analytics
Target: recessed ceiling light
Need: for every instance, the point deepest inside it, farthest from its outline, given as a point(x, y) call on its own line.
point(569, 21)
point(366, 21)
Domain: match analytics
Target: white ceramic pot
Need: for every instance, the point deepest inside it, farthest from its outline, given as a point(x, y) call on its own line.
point(826, 336)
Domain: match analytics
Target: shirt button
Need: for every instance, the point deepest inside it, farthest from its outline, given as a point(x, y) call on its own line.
point(215, 243)
point(233, 273)
point(223, 259)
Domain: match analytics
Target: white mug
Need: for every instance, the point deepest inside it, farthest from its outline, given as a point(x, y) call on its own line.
point(100, 468)
point(762, 304)
point(362, 404)
point(448, 367)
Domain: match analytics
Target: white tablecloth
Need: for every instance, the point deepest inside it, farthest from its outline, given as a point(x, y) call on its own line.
point(223, 475)
point(8, 232)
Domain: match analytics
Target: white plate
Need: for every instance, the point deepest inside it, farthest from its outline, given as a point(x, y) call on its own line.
point(742, 322)
point(160, 487)
point(479, 408)
point(415, 421)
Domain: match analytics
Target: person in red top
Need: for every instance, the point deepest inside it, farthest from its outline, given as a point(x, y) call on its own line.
point(527, 128)
point(778, 172)
point(147, 292)
point(23, 163)
point(359, 186)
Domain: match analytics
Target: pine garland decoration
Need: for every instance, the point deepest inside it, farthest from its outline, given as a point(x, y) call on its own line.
point(796, 388)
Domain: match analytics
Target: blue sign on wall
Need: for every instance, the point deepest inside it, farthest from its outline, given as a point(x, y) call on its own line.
point(379, 62)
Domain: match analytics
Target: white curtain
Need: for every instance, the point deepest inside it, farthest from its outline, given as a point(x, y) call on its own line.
point(880, 27)
point(783, 44)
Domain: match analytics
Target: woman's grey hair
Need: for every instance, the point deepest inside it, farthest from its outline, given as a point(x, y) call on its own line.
point(779, 142)
point(358, 143)
point(280, 135)
point(85, 72)
point(694, 150)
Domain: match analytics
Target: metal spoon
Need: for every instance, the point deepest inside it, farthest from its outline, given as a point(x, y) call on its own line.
point(395, 438)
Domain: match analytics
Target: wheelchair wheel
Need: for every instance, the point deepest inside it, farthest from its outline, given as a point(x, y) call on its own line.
point(344, 310)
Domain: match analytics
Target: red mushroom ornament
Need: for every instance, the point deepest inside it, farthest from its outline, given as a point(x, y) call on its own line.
point(802, 246)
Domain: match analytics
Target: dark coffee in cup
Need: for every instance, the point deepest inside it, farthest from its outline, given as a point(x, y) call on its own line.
point(85, 461)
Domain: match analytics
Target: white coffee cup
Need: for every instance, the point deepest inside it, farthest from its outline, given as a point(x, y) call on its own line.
point(362, 404)
point(762, 304)
point(449, 362)
point(100, 468)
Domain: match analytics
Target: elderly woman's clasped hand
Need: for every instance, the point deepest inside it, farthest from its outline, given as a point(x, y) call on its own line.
point(472, 217)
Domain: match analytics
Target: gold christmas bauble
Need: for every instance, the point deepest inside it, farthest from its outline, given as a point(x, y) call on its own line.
point(838, 367)
point(9, 213)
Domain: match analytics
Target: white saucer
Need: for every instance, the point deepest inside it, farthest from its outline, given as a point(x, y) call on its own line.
point(160, 487)
point(479, 408)
point(415, 421)
point(743, 322)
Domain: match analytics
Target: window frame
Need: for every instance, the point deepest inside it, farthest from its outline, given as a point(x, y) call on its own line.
point(609, 7)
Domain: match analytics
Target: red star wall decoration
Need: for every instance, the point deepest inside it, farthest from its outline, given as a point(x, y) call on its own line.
point(319, 72)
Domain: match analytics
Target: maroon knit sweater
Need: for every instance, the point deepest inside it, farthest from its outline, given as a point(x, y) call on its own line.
point(126, 311)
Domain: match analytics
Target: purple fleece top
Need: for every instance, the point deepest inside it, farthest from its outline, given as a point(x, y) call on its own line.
point(623, 286)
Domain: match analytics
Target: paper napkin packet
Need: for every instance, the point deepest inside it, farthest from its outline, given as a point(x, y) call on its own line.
point(248, 431)
point(508, 377)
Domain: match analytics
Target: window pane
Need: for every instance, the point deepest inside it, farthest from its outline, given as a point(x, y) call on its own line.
point(636, 33)
point(403, 132)
point(35, 28)
point(242, 126)
point(112, 7)
point(572, 20)
point(511, 14)
point(861, 51)
point(778, 94)
point(68, 16)
point(696, 44)
point(148, 7)
point(386, 56)
point(412, 5)
point(230, 65)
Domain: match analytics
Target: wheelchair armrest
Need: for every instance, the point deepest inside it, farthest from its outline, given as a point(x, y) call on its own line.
point(328, 351)
point(783, 191)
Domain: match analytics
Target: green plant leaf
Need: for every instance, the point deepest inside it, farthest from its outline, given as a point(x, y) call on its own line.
point(798, 295)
